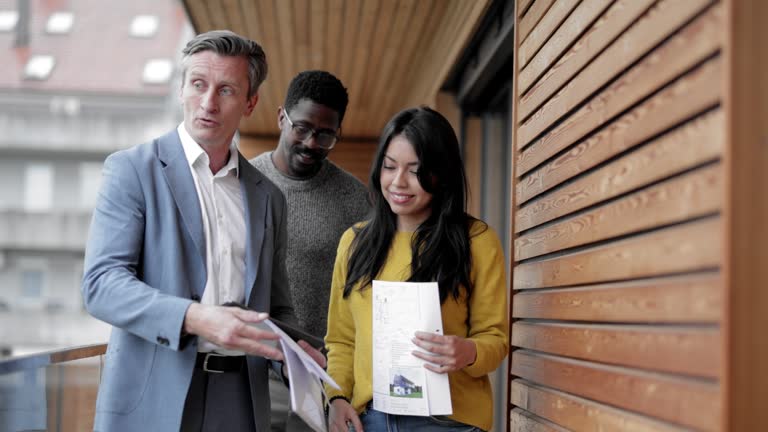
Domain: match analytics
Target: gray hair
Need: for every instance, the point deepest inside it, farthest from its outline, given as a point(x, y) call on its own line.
point(227, 43)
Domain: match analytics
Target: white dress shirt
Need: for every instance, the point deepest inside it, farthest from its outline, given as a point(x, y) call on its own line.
point(223, 211)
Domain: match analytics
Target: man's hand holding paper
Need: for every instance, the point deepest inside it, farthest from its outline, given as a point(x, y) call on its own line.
point(232, 329)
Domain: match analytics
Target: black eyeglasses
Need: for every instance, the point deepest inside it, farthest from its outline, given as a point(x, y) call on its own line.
point(323, 138)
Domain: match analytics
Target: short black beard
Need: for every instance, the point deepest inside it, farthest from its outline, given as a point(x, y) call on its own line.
point(308, 172)
point(316, 154)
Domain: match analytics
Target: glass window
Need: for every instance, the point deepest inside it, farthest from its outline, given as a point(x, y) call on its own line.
point(90, 181)
point(144, 26)
point(38, 187)
point(8, 20)
point(68, 105)
point(157, 71)
point(60, 23)
point(39, 67)
point(32, 284)
point(496, 173)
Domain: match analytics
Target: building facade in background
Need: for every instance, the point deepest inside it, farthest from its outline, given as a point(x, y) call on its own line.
point(80, 79)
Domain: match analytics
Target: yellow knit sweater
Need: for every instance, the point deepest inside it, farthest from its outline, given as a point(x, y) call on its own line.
point(482, 320)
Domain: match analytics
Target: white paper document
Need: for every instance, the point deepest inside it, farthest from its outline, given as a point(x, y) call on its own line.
point(305, 376)
point(401, 384)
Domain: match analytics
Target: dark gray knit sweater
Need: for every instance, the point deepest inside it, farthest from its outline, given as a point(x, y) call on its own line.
point(320, 209)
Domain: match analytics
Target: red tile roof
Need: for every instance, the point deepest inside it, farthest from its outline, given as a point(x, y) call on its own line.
point(99, 54)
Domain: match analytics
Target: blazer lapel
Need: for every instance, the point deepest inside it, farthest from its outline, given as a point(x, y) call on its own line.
point(179, 177)
point(255, 204)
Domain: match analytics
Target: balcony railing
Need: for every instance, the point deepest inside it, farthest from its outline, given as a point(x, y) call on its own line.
point(56, 230)
point(51, 391)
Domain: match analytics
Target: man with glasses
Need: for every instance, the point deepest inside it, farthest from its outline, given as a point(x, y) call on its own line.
point(323, 199)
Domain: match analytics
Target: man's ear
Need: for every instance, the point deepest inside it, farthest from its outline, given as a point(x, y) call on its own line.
point(280, 114)
point(181, 87)
point(252, 101)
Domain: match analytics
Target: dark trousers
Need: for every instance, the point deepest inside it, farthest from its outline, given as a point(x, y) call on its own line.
point(219, 402)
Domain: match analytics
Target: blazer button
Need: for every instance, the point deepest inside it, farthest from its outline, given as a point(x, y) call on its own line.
point(195, 297)
point(162, 341)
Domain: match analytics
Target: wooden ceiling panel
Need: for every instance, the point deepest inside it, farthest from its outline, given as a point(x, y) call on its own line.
point(380, 34)
point(390, 54)
point(399, 83)
point(331, 55)
point(346, 51)
point(386, 61)
point(318, 20)
point(234, 16)
point(217, 17)
point(250, 14)
point(198, 14)
point(286, 47)
point(301, 26)
point(362, 55)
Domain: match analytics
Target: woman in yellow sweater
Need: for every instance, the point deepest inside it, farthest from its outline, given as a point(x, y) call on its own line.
point(419, 232)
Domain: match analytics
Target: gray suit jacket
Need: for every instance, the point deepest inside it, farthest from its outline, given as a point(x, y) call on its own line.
point(144, 265)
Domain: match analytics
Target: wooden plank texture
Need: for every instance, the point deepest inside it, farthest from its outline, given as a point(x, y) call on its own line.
point(409, 11)
point(449, 42)
point(429, 14)
point(369, 17)
point(694, 194)
point(532, 18)
point(284, 64)
point(695, 143)
point(249, 13)
point(579, 414)
point(678, 299)
point(301, 32)
point(610, 25)
point(216, 14)
point(620, 187)
point(336, 33)
point(521, 421)
point(555, 15)
point(318, 33)
point(348, 49)
point(689, 402)
point(78, 353)
point(685, 248)
point(383, 37)
point(694, 43)
point(369, 45)
point(578, 21)
point(198, 15)
point(681, 100)
point(681, 350)
point(234, 16)
point(443, 42)
point(523, 6)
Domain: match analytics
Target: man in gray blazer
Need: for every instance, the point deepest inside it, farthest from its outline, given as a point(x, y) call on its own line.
point(183, 225)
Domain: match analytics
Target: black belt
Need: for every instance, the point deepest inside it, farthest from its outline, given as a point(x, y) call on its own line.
point(217, 363)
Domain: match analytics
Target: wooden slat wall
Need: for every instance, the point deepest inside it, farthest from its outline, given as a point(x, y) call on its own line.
point(619, 190)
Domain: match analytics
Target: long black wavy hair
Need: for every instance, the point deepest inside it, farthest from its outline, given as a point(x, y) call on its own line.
point(440, 248)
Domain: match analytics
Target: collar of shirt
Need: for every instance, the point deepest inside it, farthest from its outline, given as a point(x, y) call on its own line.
point(194, 152)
